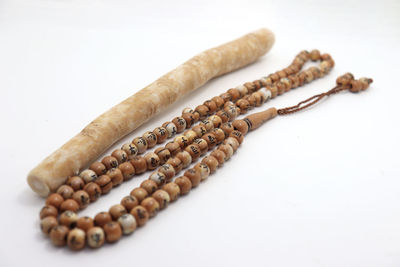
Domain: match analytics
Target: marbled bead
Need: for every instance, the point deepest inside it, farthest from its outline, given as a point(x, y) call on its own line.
point(116, 211)
point(365, 82)
point(227, 127)
point(75, 182)
point(85, 223)
point(219, 134)
point(173, 190)
point(203, 145)
point(139, 163)
point(180, 124)
point(325, 67)
point(223, 115)
point(162, 197)
point(266, 94)
point(98, 168)
point(211, 162)
point(95, 237)
point(238, 135)
point(295, 81)
point(120, 155)
point(216, 120)
point(242, 89)
point(194, 176)
point(173, 147)
point(93, 190)
point(203, 169)
point(194, 151)
point(88, 176)
point(76, 239)
point(171, 129)
point(129, 202)
point(54, 200)
point(110, 162)
point(48, 210)
point(141, 144)
point(274, 90)
point(152, 160)
point(69, 204)
point(127, 223)
point(158, 177)
point(139, 193)
point(356, 86)
point(65, 191)
point(244, 105)
point(112, 231)
point(102, 218)
point(58, 235)
point(187, 110)
point(176, 163)
point(199, 130)
point(309, 76)
point(316, 72)
point(190, 135)
point(149, 185)
point(202, 110)
point(116, 176)
point(189, 118)
point(141, 215)
point(151, 139)
point(228, 151)
point(281, 74)
point(151, 205)
point(287, 82)
point(48, 223)
point(211, 105)
point(225, 96)
point(229, 104)
point(232, 142)
point(207, 124)
point(130, 149)
point(219, 155)
point(105, 184)
point(250, 86)
point(185, 157)
point(182, 141)
point(163, 154)
point(184, 184)
point(241, 126)
point(68, 218)
point(210, 139)
point(161, 134)
point(232, 112)
point(168, 170)
point(235, 94)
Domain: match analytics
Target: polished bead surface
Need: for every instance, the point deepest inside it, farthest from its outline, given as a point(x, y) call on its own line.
point(88, 176)
point(85, 223)
point(47, 223)
point(95, 237)
point(116, 211)
point(194, 176)
point(102, 218)
point(163, 154)
point(184, 184)
point(120, 155)
point(149, 185)
point(65, 191)
point(176, 163)
point(171, 129)
point(128, 223)
point(162, 197)
point(68, 218)
point(130, 149)
point(140, 143)
point(185, 157)
point(76, 239)
point(203, 145)
point(180, 124)
point(228, 151)
point(48, 210)
point(173, 190)
point(139, 163)
point(69, 204)
point(161, 134)
point(110, 162)
point(151, 139)
point(104, 181)
point(116, 176)
point(93, 190)
point(75, 182)
point(211, 162)
point(203, 169)
point(194, 151)
point(168, 170)
point(139, 193)
point(58, 235)
point(141, 215)
point(127, 170)
point(158, 177)
point(152, 160)
point(54, 200)
point(129, 202)
point(151, 205)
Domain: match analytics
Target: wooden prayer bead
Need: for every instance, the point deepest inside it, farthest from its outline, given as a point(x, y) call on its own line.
point(227, 127)
point(149, 185)
point(216, 120)
point(185, 157)
point(116, 176)
point(243, 90)
point(95, 237)
point(48, 210)
point(139, 163)
point(324, 67)
point(244, 105)
point(190, 135)
point(151, 205)
point(176, 163)
point(127, 223)
point(68, 218)
point(159, 178)
point(232, 142)
point(65, 191)
point(69, 204)
point(161, 134)
point(309, 76)
point(116, 211)
point(76, 239)
point(112, 231)
point(219, 155)
point(250, 86)
point(235, 94)
point(203, 169)
point(93, 190)
point(88, 176)
point(232, 112)
point(187, 110)
point(85, 223)
point(105, 183)
point(141, 215)
point(194, 151)
point(316, 72)
point(151, 139)
point(163, 154)
point(140, 143)
point(218, 101)
point(129, 202)
point(98, 168)
point(127, 170)
point(54, 200)
point(207, 124)
point(171, 128)
point(211, 105)
point(168, 170)
point(152, 160)
point(102, 218)
point(173, 190)
point(82, 198)
point(229, 104)
point(211, 162)
point(210, 139)
point(281, 89)
point(180, 124)
point(184, 184)
point(48, 223)
point(173, 147)
point(199, 130)
point(162, 197)
point(274, 90)
point(58, 235)
point(75, 182)
point(258, 84)
point(241, 126)
point(139, 193)
point(356, 86)
point(202, 144)
point(110, 162)
point(228, 151)
point(238, 135)
point(223, 115)
point(130, 149)
point(365, 82)
point(194, 176)
point(219, 134)
point(202, 110)
point(295, 81)
point(182, 141)
point(120, 155)
point(226, 97)
point(189, 119)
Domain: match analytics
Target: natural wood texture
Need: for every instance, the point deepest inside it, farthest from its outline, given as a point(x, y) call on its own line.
point(257, 119)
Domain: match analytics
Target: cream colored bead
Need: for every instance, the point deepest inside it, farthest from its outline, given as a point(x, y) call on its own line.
point(187, 110)
point(266, 94)
point(227, 149)
point(76, 239)
point(95, 237)
point(203, 169)
point(158, 177)
point(171, 129)
point(140, 143)
point(88, 176)
point(127, 223)
point(185, 157)
point(152, 160)
point(207, 124)
point(232, 142)
point(168, 170)
point(162, 197)
point(130, 149)
point(242, 89)
point(190, 135)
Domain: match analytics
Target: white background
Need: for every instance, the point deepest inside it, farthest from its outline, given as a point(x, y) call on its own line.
point(319, 188)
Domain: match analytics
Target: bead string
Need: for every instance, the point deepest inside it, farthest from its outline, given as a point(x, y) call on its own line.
point(146, 200)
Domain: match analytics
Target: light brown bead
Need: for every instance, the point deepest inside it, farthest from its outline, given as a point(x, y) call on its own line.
point(176, 163)
point(158, 177)
point(110, 162)
point(75, 182)
point(182, 141)
point(140, 143)
point(219, 155)
point(116, 211)
point(173, 147)
point(54, 200)
point(232, 112)
point(48, 210)
point(216, 120)
point(211, 162)
point(127, 170)
point(238, 135)
point(58, 235)
point(105, 183)
point(228, 151)
point(235, 94)
point(207, 124)
point(219, 134)
point(218, 101)
point(141, 215)
point(232, 142)
point(194, 151)
point(95, 237)
point(223, 115)
point(173, 190)
point(85, 223)
point(139, 193)
point(210, 139)
point(76, 239)
point(365, 82)
point(185, 157)
point(203, 145)
point(102, 218)
point(190, 135)
point(163, 154)
point(199, 130)
point(241, 126)
point(82, 198)
point(68, 218)
point(227, 127)
point(116, 176)
point(69, 204)
point(356, 86)
point(180, 124)
point(184, 184)
point(189, 118)
point(244, 105)
point(162, 197)
point(171, 128)
point(120, 155)
point(151, 205)
point(203, 169)
point(202, 110)
point(65, 191)
point(98, 168)
point(226, 97)
point(211, 105)
point(139, 163)
point(194, 176)
point(48, 223)
point(93, 190)
point(149, 185)
point(168, 170)
point(161, 134)
point(130, 149)
point(151, 139)
point(88, 176)
point(129, 202)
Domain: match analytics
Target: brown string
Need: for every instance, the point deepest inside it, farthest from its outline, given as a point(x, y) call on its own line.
point(313, 99)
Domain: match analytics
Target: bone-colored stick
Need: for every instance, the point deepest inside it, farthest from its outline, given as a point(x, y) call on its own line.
point(123, 118)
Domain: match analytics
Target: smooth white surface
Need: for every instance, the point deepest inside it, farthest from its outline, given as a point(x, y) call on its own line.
point(319, 188)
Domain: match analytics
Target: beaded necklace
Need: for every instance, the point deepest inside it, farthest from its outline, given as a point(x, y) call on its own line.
point(218, 132)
